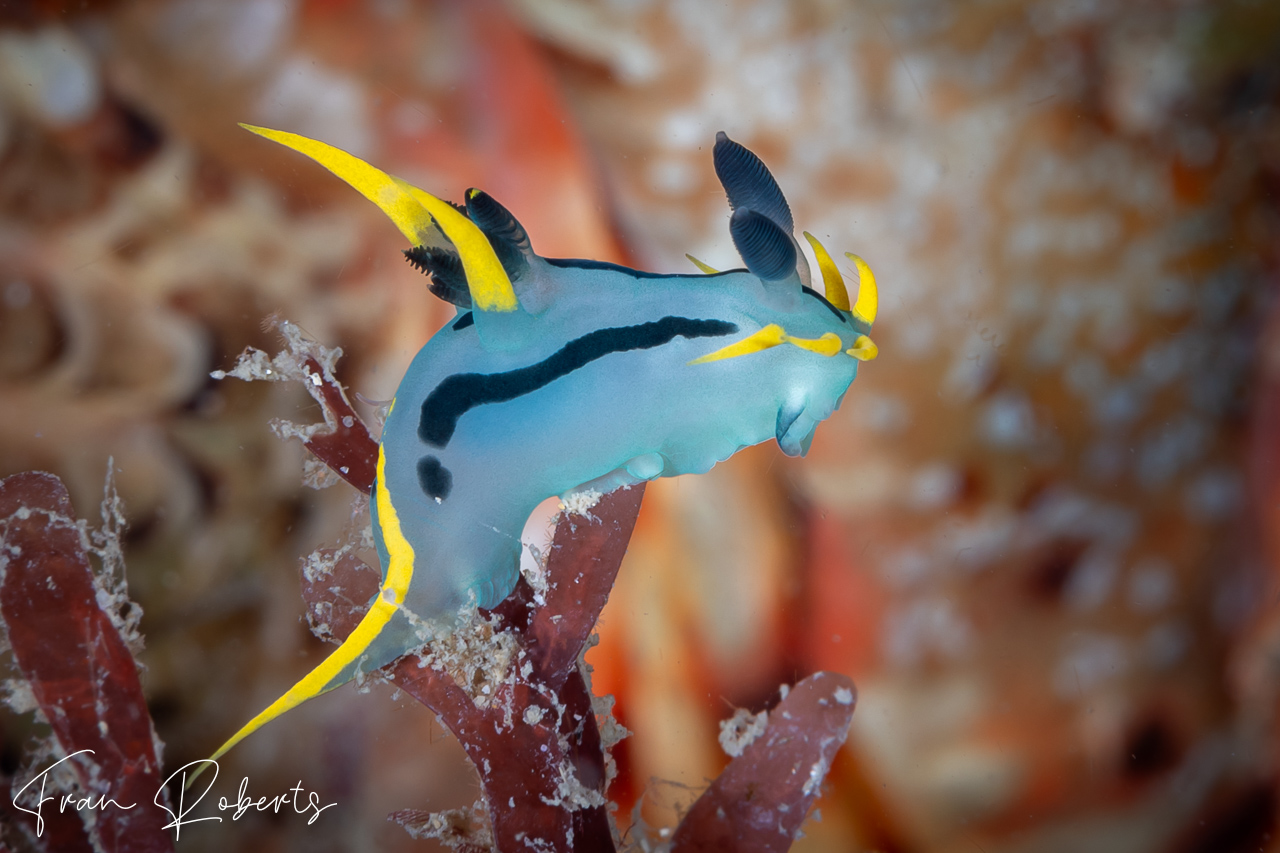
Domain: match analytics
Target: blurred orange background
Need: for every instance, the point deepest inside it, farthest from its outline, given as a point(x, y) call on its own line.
point(1039, 535)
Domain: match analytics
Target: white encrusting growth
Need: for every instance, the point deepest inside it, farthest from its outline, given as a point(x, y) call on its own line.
point(740, 730)
point(290, 365)
point(581, 502)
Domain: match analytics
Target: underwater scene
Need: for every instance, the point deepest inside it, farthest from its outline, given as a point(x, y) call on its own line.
point(640, 425)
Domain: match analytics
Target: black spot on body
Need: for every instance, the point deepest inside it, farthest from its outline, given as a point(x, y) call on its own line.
point(435, 479)
point(461, 392)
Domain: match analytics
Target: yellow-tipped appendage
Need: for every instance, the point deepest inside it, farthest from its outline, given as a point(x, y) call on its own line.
point(773, 335)
point(868, 296)
point(416, 213)
point(832, 280)
point(709, 270)
point(486, 279)
point(399, 574)
point(863, 349)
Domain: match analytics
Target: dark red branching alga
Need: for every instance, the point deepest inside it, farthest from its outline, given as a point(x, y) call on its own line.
point(510, 686)
point(80, 670)
point(760, 800)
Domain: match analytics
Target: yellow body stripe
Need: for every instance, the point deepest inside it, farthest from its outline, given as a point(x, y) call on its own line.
point(828, 345)
point(774, 335)
point(770, 336)
point(868, 296)
point(486, 279)
point(700, 265)
point(390, 196)
point(832, 280)
point(863, 349)
point(399, 574)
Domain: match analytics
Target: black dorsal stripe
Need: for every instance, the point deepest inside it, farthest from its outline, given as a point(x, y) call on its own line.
point(818, 296)
point(584, 264)
point(461, 392)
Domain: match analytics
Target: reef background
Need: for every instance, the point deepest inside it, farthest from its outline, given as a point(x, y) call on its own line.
point(1040, 535)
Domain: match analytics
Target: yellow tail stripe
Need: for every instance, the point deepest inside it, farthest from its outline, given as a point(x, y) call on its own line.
point(399, 574)
point(832, 280)
point(395, 201)
point(868, 296)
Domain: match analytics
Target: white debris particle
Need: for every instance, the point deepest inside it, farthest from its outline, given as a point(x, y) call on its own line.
point(254, 364)
point(571, 794)
point(477, 657)
point(456, 829)
point(611, 731)
point(580, 503)
point(317, 475)
point(18, 696)
point(533, 715)
point(737, 732)
point(844, 696)
point(111, 590)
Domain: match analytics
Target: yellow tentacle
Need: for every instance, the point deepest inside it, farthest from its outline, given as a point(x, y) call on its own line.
point(832, 280)
point(863, 349)
point(770, 336)
point(868, 296)
point(828, 345)
point(394, 200)
point(709, 270)
point(490, 288)
point(417, 214)
point(773, 335)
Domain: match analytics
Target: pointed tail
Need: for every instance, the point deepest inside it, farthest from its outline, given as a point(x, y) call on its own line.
point(358, 649)
point(337, 669)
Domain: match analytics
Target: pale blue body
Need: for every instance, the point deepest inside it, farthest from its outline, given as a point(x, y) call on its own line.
point(648, 409)
point(574, 375)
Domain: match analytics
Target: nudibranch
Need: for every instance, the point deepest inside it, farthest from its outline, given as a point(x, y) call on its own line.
point(560, 376)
